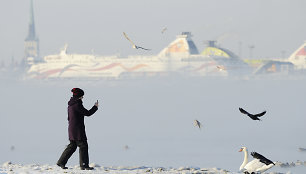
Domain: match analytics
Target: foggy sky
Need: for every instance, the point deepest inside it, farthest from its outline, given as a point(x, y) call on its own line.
point(272, 26)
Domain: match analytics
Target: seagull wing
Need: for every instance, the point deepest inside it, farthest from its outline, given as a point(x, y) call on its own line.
point(260, 114)
point(197, 123)
point(125, 35)
point(244, 111)
point(261, 158)
point(142, 48)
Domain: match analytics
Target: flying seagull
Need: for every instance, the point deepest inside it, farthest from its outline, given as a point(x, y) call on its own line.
point(134, 46)
point(12, 148)
point(197, 124)
point(126, 147)
point(253, 117)
point(163, 30)
point(221, 68)
point(302, 149)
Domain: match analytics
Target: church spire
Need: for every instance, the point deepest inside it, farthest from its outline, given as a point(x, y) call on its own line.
point(31, 32)
point(31, 41)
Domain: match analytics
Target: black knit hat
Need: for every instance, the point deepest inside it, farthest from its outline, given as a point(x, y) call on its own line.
point(77, 92)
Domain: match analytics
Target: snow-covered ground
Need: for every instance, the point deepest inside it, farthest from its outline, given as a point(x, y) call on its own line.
point(10, 168)
point(34, 168)
point(150, 123)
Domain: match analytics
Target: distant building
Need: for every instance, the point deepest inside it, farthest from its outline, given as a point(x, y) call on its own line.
point(31, 43)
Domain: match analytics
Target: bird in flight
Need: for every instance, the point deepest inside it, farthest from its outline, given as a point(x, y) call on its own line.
point(221, 68)
point(197, 124)
point(252, 116)
point(302, 149)
point(163, 30)
point(126, 147)
point(134, 46)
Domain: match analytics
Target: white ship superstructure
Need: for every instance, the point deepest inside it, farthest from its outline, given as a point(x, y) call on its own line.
point(65, 65)
point(182, 46)
point(180, 57)
point(298, 57)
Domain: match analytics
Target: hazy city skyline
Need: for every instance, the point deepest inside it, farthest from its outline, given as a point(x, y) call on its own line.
point(274, 28)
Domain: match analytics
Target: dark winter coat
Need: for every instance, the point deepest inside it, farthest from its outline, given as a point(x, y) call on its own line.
point(76, 113)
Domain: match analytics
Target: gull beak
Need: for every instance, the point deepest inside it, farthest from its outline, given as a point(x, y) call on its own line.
point(241, 150)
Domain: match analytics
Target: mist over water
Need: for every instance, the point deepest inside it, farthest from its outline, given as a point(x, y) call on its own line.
point(154, 118)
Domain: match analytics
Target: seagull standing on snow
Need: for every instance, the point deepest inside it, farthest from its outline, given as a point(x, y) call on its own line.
point(252, 116)
point(197, 124)
point(134, 46)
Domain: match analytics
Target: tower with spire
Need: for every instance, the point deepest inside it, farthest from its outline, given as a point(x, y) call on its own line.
point(31, 44)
